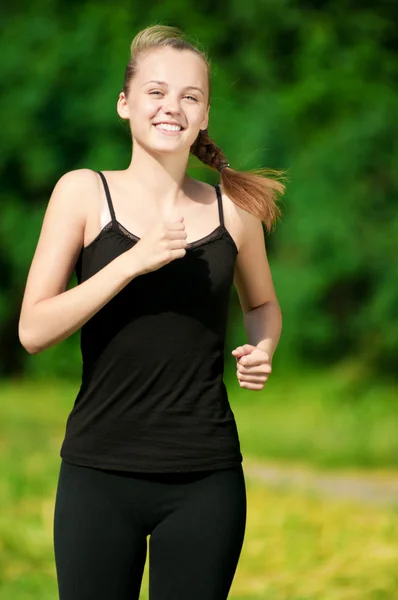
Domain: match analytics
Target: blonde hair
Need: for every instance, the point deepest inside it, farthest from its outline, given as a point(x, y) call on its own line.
point(253, 191)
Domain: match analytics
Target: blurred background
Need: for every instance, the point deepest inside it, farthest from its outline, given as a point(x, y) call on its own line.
point(309, 87)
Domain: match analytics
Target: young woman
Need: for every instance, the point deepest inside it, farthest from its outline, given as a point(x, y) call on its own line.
point(151, 446)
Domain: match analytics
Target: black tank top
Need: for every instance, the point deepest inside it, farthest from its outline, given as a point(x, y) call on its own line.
point(152, 396)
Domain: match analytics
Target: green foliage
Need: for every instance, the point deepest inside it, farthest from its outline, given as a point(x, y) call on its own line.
point(302, 86)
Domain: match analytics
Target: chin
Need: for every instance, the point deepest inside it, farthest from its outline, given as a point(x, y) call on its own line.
point(166, 146)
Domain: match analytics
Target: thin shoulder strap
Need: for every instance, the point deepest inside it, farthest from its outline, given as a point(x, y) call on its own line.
point(108, 195)
point(219, 200)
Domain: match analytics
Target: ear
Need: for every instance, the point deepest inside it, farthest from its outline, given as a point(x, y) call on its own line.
point(122, 107)
point(205, 121)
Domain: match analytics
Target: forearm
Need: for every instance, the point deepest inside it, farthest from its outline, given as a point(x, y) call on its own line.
point(54, 319)
point(263, 326)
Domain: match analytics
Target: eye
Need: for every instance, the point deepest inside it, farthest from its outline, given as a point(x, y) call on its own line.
point(159, 92)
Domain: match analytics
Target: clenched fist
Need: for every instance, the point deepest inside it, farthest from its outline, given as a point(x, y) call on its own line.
point(161, 244)
point(252, 366)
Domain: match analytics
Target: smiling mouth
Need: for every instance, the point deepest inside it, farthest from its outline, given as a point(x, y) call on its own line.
point(166, 127)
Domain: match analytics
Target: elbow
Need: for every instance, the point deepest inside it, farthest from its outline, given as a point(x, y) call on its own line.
point(268, 303)
point(32, 349)
point(26, 341)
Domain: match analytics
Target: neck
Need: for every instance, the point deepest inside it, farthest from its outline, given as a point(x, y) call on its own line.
point(160, 178)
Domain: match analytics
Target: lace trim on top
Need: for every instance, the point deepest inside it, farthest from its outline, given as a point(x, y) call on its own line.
point(114, 225)
point(207, 239)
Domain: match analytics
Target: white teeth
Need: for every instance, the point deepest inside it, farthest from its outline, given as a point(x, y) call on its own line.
point(168, 127)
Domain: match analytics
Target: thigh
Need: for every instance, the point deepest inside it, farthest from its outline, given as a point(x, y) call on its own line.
point(99, 550)
point(194, 550)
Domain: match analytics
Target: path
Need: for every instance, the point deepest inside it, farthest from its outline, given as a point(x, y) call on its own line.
point(376, 487)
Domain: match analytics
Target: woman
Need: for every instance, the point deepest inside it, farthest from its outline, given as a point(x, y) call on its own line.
point(151, 446)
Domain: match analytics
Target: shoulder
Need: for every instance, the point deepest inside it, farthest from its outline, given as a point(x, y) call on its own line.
point(241, 224)
point(78, 179)
point(75, 184)
point(77, 190)
point(244, 224)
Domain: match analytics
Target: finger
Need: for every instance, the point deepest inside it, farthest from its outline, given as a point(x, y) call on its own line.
point(178, 253)
point(254, 360)
point(175, 225)
point(238, 351)
point(252, 378)
point(256, 387)
point(176, 244)
point(177, 236)
point(263, 369)
point(248, 348)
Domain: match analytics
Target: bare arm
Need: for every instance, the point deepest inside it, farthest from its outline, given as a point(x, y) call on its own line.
point(49, 312)
point(253, 282)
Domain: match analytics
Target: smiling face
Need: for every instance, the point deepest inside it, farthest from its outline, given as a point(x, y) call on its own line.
point(170, 86)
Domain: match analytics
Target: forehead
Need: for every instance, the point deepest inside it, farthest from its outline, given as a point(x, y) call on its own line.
point(175, 67)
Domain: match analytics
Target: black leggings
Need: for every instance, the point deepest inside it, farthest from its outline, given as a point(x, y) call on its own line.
point(196, 523)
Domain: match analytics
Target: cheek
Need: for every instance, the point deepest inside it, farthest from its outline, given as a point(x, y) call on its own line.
point(143, 110)
point(197, 117)
point(141, 115)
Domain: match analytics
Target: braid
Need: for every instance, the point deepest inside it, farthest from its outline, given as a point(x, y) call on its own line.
point(254, 191)
point(207, 151)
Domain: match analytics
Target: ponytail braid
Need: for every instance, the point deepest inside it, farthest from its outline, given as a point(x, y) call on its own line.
point(254, 191)
point(206, 150)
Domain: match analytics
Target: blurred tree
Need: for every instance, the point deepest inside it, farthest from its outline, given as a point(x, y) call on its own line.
point(304, 86)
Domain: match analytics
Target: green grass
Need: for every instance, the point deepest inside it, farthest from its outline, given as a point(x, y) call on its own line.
point(328, 419)
point(297, 546)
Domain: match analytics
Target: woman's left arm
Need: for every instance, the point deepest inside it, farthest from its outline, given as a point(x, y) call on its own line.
point(260, 306)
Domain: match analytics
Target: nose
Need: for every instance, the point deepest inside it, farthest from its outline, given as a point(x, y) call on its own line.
point(171, 104)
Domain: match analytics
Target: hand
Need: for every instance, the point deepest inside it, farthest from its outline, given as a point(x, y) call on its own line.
point(163, 243)
point(253, 366)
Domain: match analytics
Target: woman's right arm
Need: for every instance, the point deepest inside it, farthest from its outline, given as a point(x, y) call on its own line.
point(49, 312)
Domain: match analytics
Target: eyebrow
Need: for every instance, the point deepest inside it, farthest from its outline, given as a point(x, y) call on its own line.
point(187, 87)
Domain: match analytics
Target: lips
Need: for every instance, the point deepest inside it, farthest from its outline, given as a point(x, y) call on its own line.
point(168, 123)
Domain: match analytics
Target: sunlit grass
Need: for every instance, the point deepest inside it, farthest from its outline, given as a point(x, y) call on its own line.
point(297, 546)
point(329, 419)
point(301, 547)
